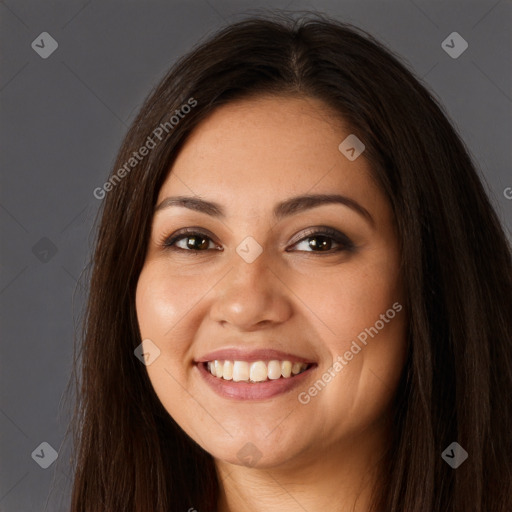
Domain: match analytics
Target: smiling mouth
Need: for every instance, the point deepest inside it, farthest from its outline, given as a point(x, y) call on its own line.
point(256, 371)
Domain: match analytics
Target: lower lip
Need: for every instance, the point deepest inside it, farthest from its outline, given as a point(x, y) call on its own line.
point(252, 390)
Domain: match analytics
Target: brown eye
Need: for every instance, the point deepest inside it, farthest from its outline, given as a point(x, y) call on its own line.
point(320, 243)
point(323, 240)
point(197, 242)
point(190, 241)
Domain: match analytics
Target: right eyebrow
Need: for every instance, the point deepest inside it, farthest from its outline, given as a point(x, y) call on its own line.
point(193, 203)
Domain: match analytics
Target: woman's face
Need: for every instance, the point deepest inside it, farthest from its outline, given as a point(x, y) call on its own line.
point(269, 247)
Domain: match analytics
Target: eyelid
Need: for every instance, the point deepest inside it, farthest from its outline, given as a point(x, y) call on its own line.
point(327, 231)
point(167, 239)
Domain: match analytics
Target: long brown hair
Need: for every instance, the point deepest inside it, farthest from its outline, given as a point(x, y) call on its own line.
point(456, 263)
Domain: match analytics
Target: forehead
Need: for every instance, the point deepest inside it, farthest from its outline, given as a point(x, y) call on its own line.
point(268, 148)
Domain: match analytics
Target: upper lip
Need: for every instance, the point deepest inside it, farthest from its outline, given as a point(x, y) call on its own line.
point(262, 354)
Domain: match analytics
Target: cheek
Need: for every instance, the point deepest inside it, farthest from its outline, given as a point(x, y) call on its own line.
point(344, 302)
point(162, 304)
point(160, 311)
point(163, 301)
point(359, 324)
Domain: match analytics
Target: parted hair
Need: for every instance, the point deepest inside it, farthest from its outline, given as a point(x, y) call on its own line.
point(130, 455)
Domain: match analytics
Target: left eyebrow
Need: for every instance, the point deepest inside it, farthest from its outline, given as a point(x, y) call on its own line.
point(283, 209)
point(306, 202)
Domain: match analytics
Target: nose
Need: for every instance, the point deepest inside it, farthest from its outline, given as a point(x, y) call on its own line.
point(251, 296)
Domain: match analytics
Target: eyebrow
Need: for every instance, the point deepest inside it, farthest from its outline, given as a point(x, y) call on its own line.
point(284, 209)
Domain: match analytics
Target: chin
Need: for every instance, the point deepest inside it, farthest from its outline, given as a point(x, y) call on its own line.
point(255, 449)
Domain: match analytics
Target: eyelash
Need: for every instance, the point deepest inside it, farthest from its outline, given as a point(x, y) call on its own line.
point(344, 243)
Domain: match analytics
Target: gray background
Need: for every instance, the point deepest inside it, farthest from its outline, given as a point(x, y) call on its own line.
point(63, 119)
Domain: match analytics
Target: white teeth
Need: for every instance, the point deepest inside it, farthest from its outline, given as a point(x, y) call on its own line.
point(286, 369)
point(240, 370)
point(296, 367)
point(257, 371)
point(274, 370)
point(227, 373)
point(219, 368)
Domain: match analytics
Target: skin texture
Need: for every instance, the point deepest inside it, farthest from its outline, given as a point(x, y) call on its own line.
point(248, 156)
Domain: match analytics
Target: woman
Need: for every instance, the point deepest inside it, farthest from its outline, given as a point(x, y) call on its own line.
point(296, 302)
